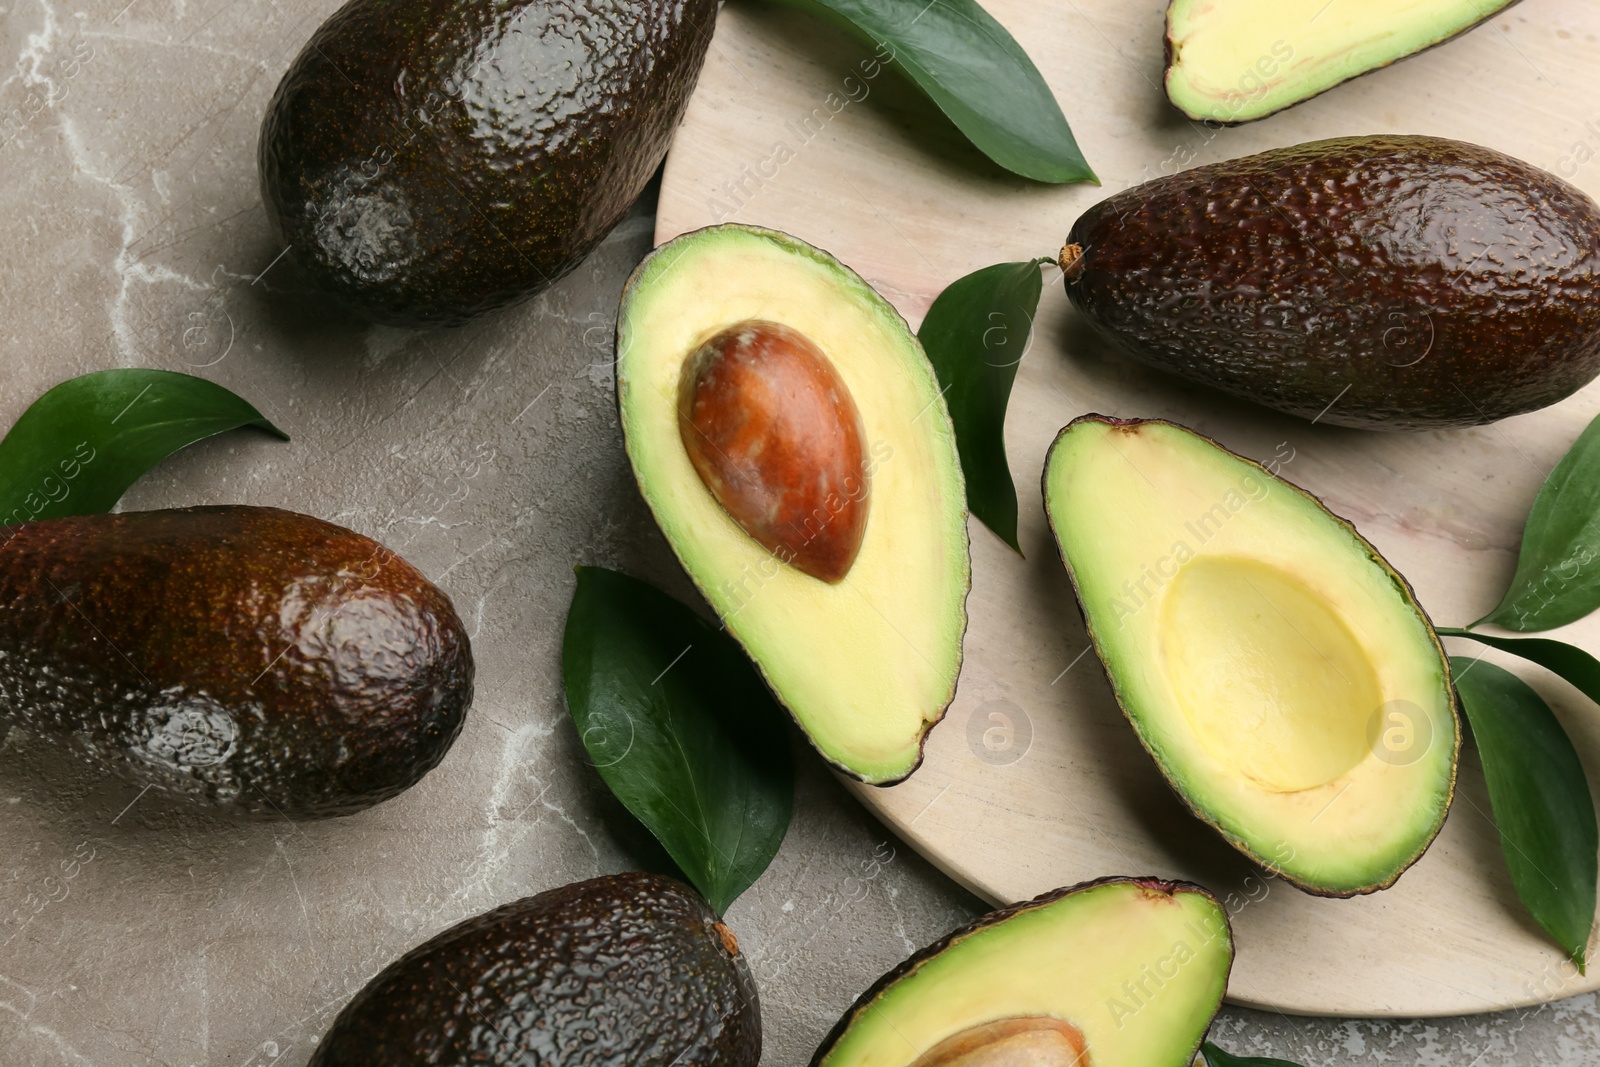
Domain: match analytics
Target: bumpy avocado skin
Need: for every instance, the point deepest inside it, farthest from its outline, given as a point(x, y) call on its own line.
point(265, 663)
point(630, 970)
point(428, 160)
point(1384, 282)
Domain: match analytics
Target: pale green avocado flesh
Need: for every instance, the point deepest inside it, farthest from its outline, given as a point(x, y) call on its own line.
point(1117, 973)
point(866, 665)
point(1278, 670)
point(1234, 61)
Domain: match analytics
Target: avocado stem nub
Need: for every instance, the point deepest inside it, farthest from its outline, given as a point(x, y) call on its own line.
point(729, 942)
point(1071, 261)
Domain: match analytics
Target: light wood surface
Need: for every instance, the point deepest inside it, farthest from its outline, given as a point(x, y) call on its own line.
point(1034, 779)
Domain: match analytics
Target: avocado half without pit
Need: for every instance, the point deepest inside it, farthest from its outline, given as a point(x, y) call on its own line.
point(629, 969)
point(1232, 61)
point(1280, 672)
point(262, 662)
point(788, 433)
point(1122, 972)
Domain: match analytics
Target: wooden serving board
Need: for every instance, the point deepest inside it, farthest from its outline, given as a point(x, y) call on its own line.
point(1034, 779)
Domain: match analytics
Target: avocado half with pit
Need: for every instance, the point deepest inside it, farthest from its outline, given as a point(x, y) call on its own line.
point(1121, 972)
point(789, 435)
point(1232, 61)
point(1279, 671)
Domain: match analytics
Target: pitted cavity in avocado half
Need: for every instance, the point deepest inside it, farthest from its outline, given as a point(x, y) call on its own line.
point(1031, 1041)
point(1270, 677)
point(775, 436)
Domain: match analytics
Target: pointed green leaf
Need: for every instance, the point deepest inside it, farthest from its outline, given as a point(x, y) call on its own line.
point(978, 75)
point(1578, 667)
point(1540, 797)
point(681, 728)
point(79, 447)
point(1215, 1057)
point(976, 334)
point(1558, 568)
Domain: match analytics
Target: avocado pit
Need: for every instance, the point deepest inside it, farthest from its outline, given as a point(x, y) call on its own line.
point(1027, 1041)
point(775, 436)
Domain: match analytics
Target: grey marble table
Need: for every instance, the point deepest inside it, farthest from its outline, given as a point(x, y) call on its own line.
point(490, 457)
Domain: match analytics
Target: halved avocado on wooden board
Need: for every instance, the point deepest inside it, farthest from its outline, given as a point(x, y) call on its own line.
point(752, 448)
point(1232, 61)
point(1120, 972)
point(1279, 671)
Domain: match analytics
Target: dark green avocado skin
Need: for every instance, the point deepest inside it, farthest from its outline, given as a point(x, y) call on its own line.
point(629, 970)
point(265, 663)
point(1384, 282)
point(429, 160)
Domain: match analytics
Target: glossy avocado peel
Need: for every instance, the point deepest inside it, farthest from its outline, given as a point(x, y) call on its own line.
point(615, 971)
point(1278, 670)
point(1387, 282)
point(261, 662)
point(430, 160)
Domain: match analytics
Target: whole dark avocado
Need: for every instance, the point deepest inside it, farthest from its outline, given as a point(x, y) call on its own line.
point(1384, 282)
point(428, 160)
point(265, 662)
point(630, 970)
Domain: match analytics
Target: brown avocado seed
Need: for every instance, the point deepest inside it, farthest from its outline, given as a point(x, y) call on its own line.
point(1031, 1041)
point(776, 437)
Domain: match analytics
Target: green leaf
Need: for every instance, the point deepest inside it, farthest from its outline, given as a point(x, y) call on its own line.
point(1215, 1057)
point(681, 728)
point(978, 75)
point(1558, 569)
point(79, 447)
point(1218, 1058)
point(976, 334)
point(1540, 798)
point(1575, 665)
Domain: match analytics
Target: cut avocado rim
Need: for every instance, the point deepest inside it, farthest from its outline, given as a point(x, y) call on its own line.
point(1169, 55)
point(939, 410)
point(869, 1000)
point(1395, 576)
